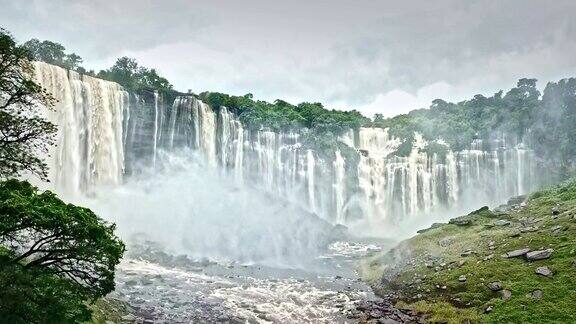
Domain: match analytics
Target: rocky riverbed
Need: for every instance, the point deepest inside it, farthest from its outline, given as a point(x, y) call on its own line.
point(163, 289)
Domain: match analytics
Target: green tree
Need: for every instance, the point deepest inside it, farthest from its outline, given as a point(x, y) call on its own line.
point(68, 250)
point(25, 135)
point(53, 53)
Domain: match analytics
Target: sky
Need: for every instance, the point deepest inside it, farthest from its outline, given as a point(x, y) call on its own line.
point(386, 57)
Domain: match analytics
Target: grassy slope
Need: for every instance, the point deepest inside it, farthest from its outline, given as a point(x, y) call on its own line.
point(425, 275)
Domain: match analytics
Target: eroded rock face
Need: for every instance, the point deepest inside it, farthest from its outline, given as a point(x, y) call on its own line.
point(539, 255)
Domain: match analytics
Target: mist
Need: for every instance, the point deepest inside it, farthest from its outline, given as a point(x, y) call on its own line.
point(191, 208)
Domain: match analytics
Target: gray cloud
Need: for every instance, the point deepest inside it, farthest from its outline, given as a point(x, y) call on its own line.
point(347, 53)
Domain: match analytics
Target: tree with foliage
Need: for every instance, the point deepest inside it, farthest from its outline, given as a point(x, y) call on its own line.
point(133, 77)
point(53, 53)
point(25, 135)
point(66, 249)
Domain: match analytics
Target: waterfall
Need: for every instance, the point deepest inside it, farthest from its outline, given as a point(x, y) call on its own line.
point(103, 131)
point(89, 114)
point(339, 187)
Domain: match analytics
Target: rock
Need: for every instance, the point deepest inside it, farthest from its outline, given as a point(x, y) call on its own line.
point(488, 257)
point(516, 200)
point(461, 221)
point(529, 229)
point(376, 314)
point(466, 253)
point(445, 242)
point(488, 309)
point(462, 262)
point(506, 294)
point(515, 233)
point(555, 211)
point(536, 294)
point(539, 255)
point(557, 229)
point(128, 317)
point(462, 278)
point(516, 253)
point(435, 225)
point(495, 286)
point(501, 222)
point(544, 271)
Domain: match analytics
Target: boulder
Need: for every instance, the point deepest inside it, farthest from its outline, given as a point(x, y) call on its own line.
point(555, 211)
point(501, 222)
point(516, 253)
point(539, 255)
point(462, 278)
point(544, 271)
point(495, 286)
point(461, 221)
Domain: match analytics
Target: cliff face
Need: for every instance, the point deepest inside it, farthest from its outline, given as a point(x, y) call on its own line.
point(107, 134)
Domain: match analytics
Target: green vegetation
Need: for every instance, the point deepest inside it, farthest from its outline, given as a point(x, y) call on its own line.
point(134, 77)
point(54, 53)
point(54, 258)
point(426, 271)
point(24, 134)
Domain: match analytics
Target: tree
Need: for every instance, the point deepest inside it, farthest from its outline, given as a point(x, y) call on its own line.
point(68, 249)
point(53, 53)
point(25, 135)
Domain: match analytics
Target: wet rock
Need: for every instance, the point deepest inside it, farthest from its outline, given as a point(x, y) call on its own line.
point(516, 253)
point(539, 255)
point(501, 222)
point(495, 286)
point(462, 278)
point(544, 271)
point(506, 294)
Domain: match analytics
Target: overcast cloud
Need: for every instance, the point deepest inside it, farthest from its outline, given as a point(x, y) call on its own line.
point(375, 56)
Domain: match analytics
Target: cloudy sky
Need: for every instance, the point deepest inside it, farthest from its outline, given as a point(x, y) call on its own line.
point(375, 56)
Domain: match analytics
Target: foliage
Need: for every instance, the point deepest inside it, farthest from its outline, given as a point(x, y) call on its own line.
point(134, 77)
point(53, 53)
point(24, 134)
point(53, 252)
point(427, 274)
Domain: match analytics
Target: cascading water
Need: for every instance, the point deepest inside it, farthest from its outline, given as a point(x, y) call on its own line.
point(89, 114)
point(104, 131)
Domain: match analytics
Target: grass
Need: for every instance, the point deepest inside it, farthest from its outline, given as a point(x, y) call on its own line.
point(425, 274)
